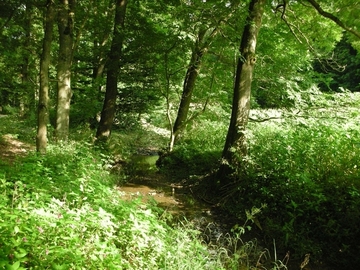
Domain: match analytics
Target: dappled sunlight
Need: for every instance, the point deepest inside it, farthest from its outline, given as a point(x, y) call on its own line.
point(11, 148)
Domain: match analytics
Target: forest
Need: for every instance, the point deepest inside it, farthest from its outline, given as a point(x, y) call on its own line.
point(180, 134)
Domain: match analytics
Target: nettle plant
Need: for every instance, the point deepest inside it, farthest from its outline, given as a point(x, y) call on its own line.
point(307, 172)
point(62, 211)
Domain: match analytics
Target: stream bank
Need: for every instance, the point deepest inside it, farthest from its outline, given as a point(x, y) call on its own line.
point(176, 196)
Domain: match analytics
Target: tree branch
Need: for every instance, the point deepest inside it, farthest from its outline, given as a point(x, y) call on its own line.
point(333, 18)
point(263, 120)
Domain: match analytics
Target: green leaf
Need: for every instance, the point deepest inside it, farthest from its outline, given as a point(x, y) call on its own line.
point(59, 266)
point(15, 266)
point(16, 229)
point(22, 253)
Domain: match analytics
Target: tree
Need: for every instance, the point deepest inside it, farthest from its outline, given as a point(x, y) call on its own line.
point(235, 149)
point(334, 18)
point(189, 85)
point(18, 46)
point(205, 35)
point(113, 68)
point(235, 146)
point(25, 67)
point(66, 17)
point(43, 104)
point(342, 71)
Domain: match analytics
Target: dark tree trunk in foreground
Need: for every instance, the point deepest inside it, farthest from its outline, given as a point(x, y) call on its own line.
point(66, 28)
point(113, 68)
point(235, 148)
point(43, 108)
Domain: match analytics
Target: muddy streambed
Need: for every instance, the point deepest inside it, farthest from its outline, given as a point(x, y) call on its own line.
point(179, 200)
point(147, 183)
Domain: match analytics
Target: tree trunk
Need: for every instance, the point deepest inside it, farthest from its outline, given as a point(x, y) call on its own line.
point(43, 109)
point(25, 80)
point(188, 88)
point(113, 67)
point(65, 26)
point(235, 149)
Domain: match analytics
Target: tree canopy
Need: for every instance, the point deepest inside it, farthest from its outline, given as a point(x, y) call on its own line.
point(189, 68)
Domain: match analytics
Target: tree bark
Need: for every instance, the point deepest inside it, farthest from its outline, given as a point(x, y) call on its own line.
point(188, 88)
point(113, 67)
point(66, 27)
point(25, 78)
point(235, 149)
point(43, 108)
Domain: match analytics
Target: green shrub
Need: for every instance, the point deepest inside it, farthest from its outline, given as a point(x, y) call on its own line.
point(308, 175)
point(62, 211)
point(198, 151)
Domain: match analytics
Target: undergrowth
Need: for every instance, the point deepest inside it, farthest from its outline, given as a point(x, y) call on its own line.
point(308, 174)
point(304, 164)
point(62, 210)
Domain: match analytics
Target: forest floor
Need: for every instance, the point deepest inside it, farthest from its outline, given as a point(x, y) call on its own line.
point(11, 148)
point(144, 184)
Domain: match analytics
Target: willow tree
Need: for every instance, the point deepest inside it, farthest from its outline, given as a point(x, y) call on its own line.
point(43, 108)
point(113, 68)
point(66, 17)
point(235, 146)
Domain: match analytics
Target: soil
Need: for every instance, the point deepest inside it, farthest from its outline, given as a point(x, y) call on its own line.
point(11, 148)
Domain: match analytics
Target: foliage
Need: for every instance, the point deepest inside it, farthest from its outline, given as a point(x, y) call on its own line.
point(303, 163)
point(341, 70)
point(307, 173)
point(305, 167)
point(61, 211)
point(198, 152)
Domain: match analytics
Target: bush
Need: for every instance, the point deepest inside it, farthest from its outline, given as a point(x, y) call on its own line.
point(61, 211)
point(307, 173)
point(198, 152)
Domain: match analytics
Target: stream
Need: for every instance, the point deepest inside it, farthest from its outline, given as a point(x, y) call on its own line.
point(148, 183)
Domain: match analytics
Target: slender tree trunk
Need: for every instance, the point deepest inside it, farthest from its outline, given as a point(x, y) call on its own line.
point(25, 80)
point(65, 26)
point(188, 88)
point(235, 148)
point(113, 68)
point(99, 50)
point(100, 59)
point(43, 109)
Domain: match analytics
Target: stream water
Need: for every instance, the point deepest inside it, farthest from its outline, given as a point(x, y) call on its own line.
point(147, 183)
